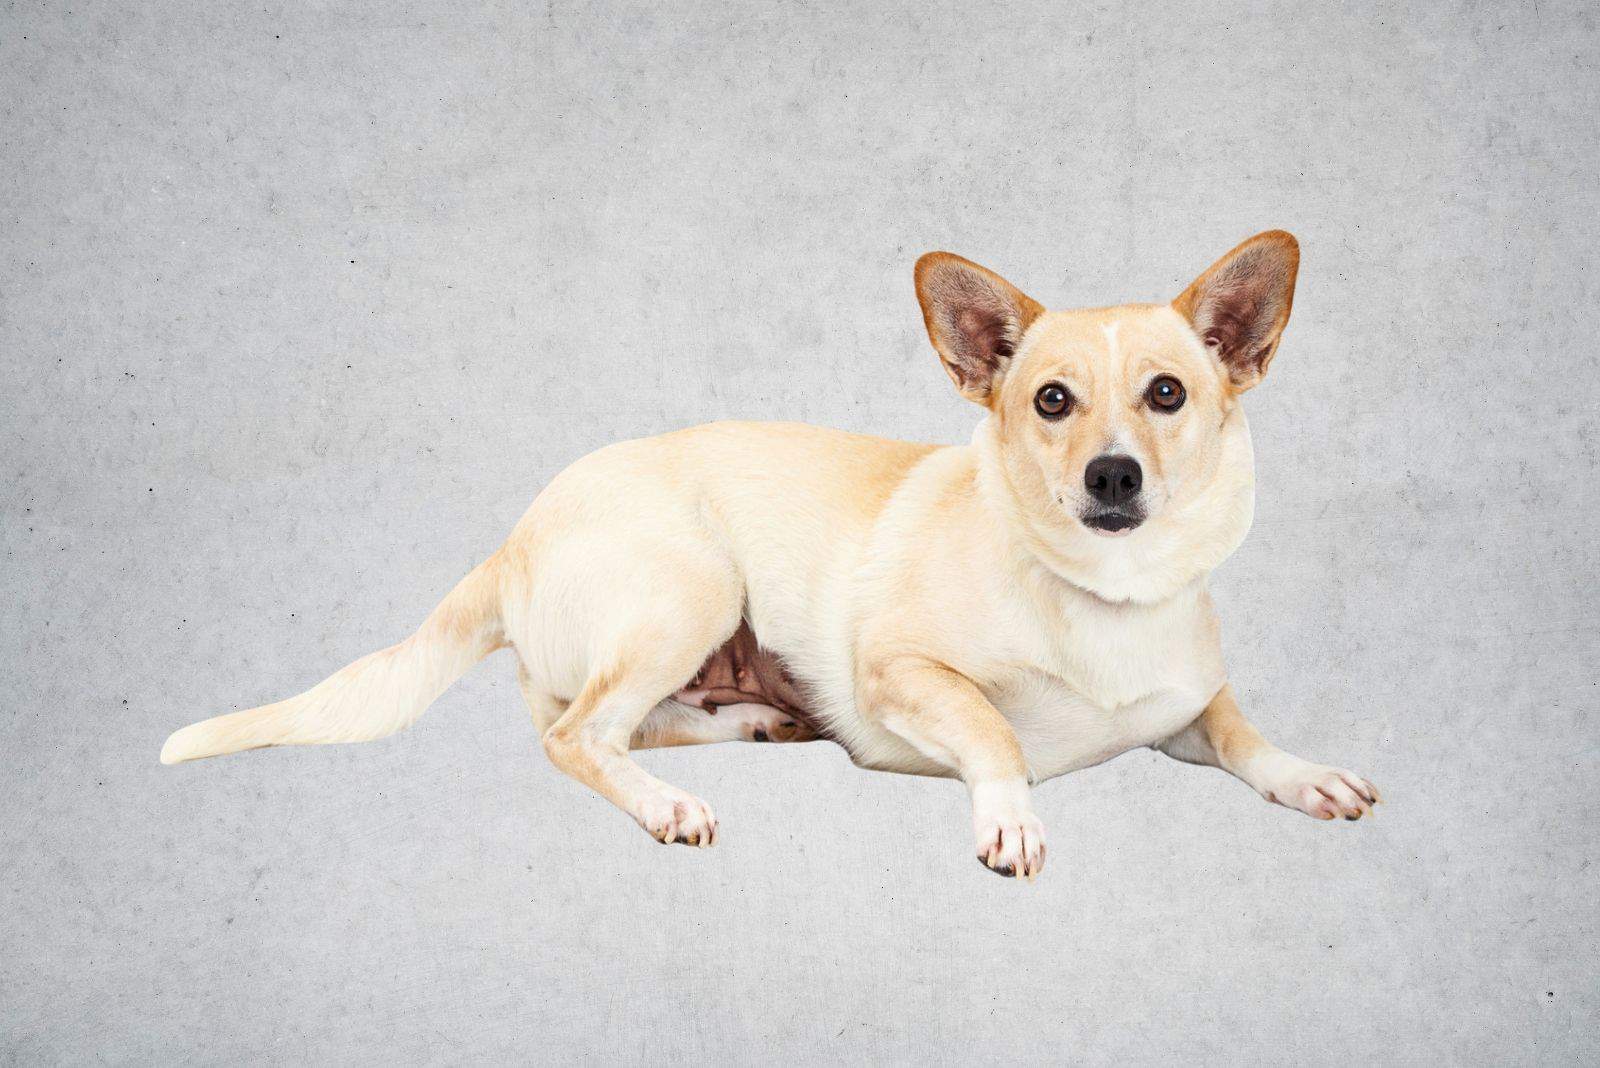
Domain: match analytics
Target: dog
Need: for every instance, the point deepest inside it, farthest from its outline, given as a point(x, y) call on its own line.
point(1002, 612)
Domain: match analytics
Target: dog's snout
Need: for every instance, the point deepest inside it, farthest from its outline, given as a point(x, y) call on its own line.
point(1113, 479)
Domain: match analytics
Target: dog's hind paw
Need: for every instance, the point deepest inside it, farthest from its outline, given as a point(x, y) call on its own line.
point(763, 723)
point(670, 815)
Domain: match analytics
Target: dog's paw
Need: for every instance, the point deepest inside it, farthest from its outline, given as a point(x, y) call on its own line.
point(1320, 791)
point(763, 723)
point(669, 815)
point(1010, 837)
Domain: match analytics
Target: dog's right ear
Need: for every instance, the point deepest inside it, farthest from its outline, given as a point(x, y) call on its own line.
point(975, 320)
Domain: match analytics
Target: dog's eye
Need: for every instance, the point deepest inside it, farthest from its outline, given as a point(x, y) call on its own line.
point(1052, 401)
point(1165, 394)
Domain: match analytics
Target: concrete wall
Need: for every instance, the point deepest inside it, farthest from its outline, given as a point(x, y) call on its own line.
point(300, 305)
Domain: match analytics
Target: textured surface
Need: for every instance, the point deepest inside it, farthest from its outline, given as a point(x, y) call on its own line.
point(300, 305)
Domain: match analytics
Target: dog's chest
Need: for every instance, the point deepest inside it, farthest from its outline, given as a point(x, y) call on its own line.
point(1062, 731)
point(1100, 683)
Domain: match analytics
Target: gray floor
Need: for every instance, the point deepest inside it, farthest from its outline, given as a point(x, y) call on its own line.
point(300, 305)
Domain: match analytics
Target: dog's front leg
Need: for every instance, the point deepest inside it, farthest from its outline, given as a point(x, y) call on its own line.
point(1222, 738)
point(944, 716)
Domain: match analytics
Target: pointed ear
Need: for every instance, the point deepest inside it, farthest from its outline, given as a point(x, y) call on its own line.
point(1240, 306)
point(975, 320)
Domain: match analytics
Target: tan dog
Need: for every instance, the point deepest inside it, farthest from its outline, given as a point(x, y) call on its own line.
point(1002, 612)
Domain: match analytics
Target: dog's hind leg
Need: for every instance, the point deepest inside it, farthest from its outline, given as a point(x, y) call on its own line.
point(545, 708)
point(640, 652)
point(673, 723)
point(590, 741)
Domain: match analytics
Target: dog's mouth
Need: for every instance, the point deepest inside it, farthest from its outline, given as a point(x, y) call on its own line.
point(1114, 523)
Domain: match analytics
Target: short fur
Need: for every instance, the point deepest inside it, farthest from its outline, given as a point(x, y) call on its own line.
point(940, 610)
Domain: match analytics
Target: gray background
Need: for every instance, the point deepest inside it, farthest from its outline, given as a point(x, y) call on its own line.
point(300, 305)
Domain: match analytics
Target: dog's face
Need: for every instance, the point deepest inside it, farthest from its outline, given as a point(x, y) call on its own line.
point(1117, 432)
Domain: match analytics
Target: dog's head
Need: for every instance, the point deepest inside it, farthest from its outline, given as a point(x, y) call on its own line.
point(1116, 434)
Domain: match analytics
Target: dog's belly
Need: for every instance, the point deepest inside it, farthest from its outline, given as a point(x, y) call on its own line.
point(741, 672)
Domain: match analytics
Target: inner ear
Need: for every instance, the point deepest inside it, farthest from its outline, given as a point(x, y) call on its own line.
point(975, 320)
point(1240, 305)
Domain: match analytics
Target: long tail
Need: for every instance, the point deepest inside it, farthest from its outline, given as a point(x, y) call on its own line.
point(377, 695)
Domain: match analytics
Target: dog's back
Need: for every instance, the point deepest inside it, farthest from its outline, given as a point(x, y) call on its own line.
point(778, 500)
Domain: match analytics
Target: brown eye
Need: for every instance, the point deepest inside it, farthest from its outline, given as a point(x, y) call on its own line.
point(1052, 401)
point(1165, 394)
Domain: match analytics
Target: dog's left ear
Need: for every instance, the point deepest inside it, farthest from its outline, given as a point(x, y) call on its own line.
point(975, 320)
point(1240, 305)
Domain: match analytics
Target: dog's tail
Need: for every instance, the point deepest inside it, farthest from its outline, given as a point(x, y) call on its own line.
point(373, 697)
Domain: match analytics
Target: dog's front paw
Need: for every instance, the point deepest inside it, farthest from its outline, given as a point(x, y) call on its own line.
point(1010, 837)
point(1320, 791)
point(670, 815)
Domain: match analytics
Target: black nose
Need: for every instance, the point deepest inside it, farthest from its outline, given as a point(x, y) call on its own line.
point(1113, 479)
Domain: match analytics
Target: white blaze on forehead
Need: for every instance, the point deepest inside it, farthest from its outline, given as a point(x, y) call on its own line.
point(1111, 342)
point(1111, 375)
